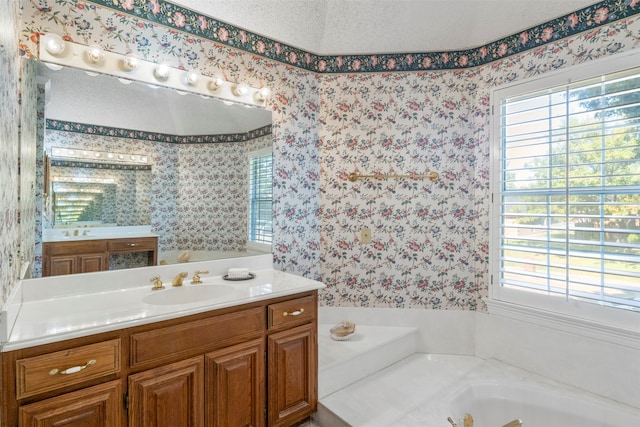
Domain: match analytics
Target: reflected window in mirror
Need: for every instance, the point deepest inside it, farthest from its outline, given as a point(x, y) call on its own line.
point(260, 197)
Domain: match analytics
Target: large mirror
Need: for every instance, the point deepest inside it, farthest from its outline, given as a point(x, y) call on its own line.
point(196, 153)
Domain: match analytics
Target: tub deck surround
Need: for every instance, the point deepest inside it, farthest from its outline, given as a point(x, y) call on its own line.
point(425, 389)
point(55, 309)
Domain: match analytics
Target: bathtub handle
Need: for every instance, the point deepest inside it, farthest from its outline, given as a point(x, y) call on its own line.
point(293, 313)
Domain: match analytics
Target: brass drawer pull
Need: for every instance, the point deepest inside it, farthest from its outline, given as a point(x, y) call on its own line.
point(132, 245)
point(73, 369)
point(293, 313)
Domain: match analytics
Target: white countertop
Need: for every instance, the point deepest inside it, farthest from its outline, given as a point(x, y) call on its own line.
point(107, 308)
point(96, 233)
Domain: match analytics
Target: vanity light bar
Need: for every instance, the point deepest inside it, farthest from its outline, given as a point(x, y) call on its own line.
point(95, 155)
point(54, 50)
point(83, 180)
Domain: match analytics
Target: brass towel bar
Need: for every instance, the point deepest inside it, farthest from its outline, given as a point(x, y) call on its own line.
point(433, 176)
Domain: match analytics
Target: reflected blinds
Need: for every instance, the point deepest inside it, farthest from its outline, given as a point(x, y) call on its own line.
point(260, 198)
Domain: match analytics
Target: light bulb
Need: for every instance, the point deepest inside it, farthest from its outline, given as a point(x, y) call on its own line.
point(161, 72)
point(130, 63)
point(54, 45)
point(241, 89)
point(263, 93)
point(192, 77)
point(216, 83)
point(95, 55)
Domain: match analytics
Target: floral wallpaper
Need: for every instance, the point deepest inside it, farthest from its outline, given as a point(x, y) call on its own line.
point(29, 101)
point(9, 143)
point(398, 113)
point(429, 241)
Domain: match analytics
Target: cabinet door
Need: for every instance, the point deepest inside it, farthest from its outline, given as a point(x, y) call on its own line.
point(97, 406)
point(60, 265)
point(168, 396)
point(293, 359)
point(235, 386)
point(89, 263)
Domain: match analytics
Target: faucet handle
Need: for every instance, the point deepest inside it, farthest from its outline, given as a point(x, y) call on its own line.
point(157, 283)
point(196, 277)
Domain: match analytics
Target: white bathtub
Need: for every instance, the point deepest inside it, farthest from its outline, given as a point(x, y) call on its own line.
point(495, 393)
point(171, 257)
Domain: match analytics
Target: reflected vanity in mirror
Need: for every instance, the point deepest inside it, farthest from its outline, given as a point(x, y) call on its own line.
point(191, 194)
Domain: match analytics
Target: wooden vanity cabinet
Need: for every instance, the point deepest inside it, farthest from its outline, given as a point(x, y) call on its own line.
point(235, 383)
point(97, 406)
point(74, 257)
point(251, 365)
point(168, 396)
point(88, 256)
point(293, 360)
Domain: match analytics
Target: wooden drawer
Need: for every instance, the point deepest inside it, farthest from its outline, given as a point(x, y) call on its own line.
point(67, 367)
point(199, 336)
point(291, 313)
point(74, 248)
point(133, 245)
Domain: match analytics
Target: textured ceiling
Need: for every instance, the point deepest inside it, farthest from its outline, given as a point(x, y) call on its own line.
point(337, 27)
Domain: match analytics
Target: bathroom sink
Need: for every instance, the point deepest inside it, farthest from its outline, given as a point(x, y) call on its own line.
point(187, 294)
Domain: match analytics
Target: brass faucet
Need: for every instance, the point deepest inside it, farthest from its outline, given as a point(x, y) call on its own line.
point(196, 277)
point(177, 281)
point(157, 283)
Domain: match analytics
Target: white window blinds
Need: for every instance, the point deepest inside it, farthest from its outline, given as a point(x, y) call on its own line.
point(569, 198)
point(260, 198)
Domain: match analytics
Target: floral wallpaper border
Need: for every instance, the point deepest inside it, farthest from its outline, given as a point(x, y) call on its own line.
point(182, 19)
point(98, 165)
point(65, 126)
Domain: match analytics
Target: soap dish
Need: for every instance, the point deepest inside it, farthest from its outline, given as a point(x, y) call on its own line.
point(235, 279)
point(342, 331)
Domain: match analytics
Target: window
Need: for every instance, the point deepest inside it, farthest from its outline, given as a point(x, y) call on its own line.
point(567, 189)
point(260, 196)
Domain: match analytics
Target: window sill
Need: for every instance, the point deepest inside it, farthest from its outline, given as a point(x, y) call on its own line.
point(625, 333)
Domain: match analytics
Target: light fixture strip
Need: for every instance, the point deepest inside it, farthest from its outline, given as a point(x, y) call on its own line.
point(122, 66)
point(82, 179)
point(98, 156)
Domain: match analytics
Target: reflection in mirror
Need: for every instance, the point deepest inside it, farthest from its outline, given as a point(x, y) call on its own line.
point(84, 203)
point(100, 194)
point(198, 151)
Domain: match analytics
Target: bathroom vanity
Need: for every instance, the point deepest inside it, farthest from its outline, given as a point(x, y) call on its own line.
point(87, 250)
point(225, 354)
point(87, 256)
